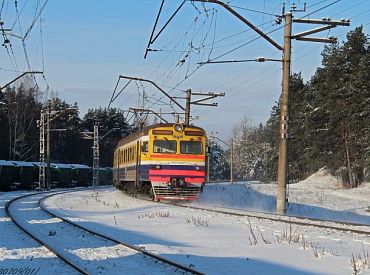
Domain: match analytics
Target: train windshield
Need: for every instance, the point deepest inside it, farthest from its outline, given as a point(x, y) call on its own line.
point(164, 146)
point(191, 147)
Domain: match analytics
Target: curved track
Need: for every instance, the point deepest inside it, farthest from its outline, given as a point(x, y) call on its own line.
point(146, 258)
point(37, 239)
point(335, 225)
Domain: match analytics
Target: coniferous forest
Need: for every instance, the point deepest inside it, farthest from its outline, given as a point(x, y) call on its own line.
point(329, 121)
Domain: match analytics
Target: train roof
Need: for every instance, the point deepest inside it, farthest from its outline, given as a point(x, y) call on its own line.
point(79, 166)
point(6, 163)
point(61, 165)
point(146, 129)
point(22, 163)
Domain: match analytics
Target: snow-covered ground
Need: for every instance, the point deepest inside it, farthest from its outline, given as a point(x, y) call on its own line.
point(216, 243)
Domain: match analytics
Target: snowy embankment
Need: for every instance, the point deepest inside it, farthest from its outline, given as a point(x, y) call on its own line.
point(319, 196)
point(215, 243)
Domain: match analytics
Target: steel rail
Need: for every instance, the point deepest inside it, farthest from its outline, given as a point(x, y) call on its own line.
point(136, 248)
point(279, 219)
point(41, 242)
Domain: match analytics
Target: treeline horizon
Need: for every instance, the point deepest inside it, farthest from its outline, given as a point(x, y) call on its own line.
point(19, 132)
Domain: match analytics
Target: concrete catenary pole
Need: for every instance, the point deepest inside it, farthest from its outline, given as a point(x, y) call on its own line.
point(42, 151)
point(284, 119)
point(232, 161)
point(187, 107)
point(48, 130)
point(96, 156)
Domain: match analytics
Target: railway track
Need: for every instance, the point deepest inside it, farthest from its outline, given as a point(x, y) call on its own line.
point(37, 239)
point(143, 257)
point(314, 222)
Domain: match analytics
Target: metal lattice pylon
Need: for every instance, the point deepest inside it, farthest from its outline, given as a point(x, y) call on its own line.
point(96, 157)
point(42, 151)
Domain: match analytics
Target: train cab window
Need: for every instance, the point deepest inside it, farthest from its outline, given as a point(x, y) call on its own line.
point(144, 147)
point(191, 147)
point(164, 146)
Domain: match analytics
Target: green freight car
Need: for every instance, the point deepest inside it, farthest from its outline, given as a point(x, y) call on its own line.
point(8, 173)
point(81, 174)
point(26, 174)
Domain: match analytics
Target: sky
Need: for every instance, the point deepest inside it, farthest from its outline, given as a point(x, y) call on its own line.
point(83, 46)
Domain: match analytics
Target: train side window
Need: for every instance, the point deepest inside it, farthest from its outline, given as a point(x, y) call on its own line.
point(144, 147)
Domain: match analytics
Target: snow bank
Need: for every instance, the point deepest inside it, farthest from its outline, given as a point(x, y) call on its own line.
point(320, 180)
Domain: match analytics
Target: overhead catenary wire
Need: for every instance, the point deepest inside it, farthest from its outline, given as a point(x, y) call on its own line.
point(35, 20)
point(332, 15)
point(228, 96)
point(252, 10)
point(1, 8)
point(175, 69)
point(19, 21)
point(187, 76)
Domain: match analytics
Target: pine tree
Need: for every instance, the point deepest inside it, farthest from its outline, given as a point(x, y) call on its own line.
point(107, 119)
point(219, 162)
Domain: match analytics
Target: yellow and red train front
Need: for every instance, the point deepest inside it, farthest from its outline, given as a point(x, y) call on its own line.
point(175, 163)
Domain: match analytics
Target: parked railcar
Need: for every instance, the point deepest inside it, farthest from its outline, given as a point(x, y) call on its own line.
point(26, 174)
point(81, 174)
point(109, 175)
point(8, 173)
point(166, 161)
point(105, 176)
point(61, 175)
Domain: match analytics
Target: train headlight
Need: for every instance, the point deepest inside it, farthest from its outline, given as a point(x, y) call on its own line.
point(158, 167)
point(178, 127)
point(197, 168)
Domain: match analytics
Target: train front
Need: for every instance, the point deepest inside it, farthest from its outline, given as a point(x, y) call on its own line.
point(177, 161)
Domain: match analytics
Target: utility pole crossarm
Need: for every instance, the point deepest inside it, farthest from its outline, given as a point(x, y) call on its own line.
point(207, 104)
point(317, 39)
point(202, 99)
point(209, 96)
point(319, 29)
point(245, 21)
point(324, 21)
